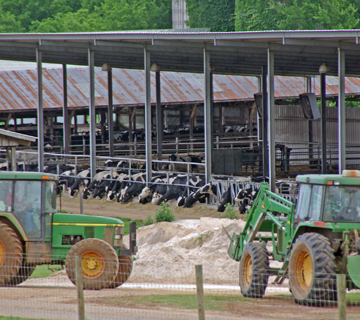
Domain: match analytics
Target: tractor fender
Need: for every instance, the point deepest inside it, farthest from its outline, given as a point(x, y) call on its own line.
point(13, 223)
point(353, 266)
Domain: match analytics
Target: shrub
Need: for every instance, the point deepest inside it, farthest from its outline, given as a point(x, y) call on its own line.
point(164, 213)
point(229, 212)
point(148, 221)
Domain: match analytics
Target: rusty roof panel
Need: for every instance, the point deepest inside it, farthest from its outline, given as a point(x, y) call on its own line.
point(18, 88)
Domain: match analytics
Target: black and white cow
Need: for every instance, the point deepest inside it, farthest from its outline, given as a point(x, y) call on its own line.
point(83, 177)
point(179, 167)
point(137, 183)
point(88, 190)
point(114, 188)
point(226, 198)
point(245, 198)
point(101, 188)
point(66, 179)
point(200, 194)
point(178, 188)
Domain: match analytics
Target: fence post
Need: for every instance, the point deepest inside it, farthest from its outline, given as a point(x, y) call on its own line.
point(200, 292)
point(79, 288)
point(341, 295)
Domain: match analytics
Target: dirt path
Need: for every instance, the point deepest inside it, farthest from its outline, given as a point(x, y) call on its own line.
point(133, 210)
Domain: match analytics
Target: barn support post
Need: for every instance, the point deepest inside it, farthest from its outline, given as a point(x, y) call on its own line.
point(40, 112)
point(341, 111)
point(310, 125)
point(66, 118)
point(208, 115)
point(92, 113)
point(110, 115)
point(271, 121)
point(258, 122)
point(147, 115)
point(159, 117)
point(264, 123)
point(323, 69)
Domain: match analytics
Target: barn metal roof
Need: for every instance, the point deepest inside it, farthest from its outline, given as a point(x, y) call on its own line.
point(19, 88)
point(296, 53)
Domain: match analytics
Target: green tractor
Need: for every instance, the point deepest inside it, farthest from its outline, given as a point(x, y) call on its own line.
point(33, 233)
point(315, 240)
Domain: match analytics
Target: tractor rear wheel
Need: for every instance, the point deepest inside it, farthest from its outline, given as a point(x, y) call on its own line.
point(254, 270)
point(124, 272)
point(11, 254)
point(99, 263)
point(312, 275)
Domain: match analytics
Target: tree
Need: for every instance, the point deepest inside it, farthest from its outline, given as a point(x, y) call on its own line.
point(218, 15)
point(111, 16)
point(255, 15)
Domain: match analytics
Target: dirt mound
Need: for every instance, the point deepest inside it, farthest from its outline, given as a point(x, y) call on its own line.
point(168, 252)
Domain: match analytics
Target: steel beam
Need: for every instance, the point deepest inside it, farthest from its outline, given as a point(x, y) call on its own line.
point(341, 111)
point(323, 122)
point(208, 115)
point(271, 121)
point(92, 112)
point(67, 124)
point(40, 112)
point(159, 118)
point(264, 123)
point(110, 114)
point(310, 124)
point(147, 115)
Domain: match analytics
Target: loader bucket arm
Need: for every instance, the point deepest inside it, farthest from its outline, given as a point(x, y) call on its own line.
point(261, 218)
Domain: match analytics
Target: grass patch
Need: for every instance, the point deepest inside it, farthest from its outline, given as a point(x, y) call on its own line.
point(139, 223)
point(182, 301)
point(15, 318)
point(353, 297)
point(44, 271)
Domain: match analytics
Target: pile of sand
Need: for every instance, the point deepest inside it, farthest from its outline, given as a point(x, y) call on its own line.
point(168, 252)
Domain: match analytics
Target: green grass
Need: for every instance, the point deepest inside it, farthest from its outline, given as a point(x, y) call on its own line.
point(182, 301)
point(44, 271)
point(15, 318)
point(139, 223)
point(353, 297)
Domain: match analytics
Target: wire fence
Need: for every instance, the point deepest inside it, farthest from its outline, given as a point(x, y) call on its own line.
point(56, 291)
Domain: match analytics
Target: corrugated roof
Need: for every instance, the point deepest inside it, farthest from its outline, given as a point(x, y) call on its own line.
point(19, 87)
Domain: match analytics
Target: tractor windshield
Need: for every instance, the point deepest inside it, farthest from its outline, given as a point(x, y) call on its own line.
point(342, 203)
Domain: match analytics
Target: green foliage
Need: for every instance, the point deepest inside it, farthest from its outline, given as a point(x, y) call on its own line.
point(164, 213)
point(256, 15)
point(217, 15)
point(139, 223)
point(149, 220)
point(229, 212)
point(183, 301)
point(83, 15)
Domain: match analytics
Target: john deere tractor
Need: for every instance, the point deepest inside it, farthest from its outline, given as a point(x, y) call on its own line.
point(33, 233)
point(315, 239)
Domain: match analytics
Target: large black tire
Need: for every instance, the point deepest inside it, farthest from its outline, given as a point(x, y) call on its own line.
point(254, 270)
point(25, 271)
point(11, 254)
point(124, 272)
point(99, 263)
point(312, 275)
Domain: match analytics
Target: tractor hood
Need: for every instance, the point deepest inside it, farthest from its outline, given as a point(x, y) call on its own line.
point(85, 220)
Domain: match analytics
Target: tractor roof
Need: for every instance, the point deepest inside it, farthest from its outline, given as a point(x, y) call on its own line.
point(328, 179)
point(16, 175)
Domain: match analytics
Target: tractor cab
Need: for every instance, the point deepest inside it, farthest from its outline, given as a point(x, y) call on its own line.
point(31, 198)
point(329, 198)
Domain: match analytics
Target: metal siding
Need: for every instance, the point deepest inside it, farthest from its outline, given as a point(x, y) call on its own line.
point(19, 88)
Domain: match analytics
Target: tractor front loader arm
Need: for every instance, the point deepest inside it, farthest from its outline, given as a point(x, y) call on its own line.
point(261, 218)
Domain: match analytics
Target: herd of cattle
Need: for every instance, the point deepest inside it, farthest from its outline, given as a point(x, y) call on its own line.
point(118, 182)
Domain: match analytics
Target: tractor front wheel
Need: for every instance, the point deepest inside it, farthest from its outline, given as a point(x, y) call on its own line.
point(11, 254)
point(124, 272)
point(312, 275)
point(99, 263)
point(254, 270)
